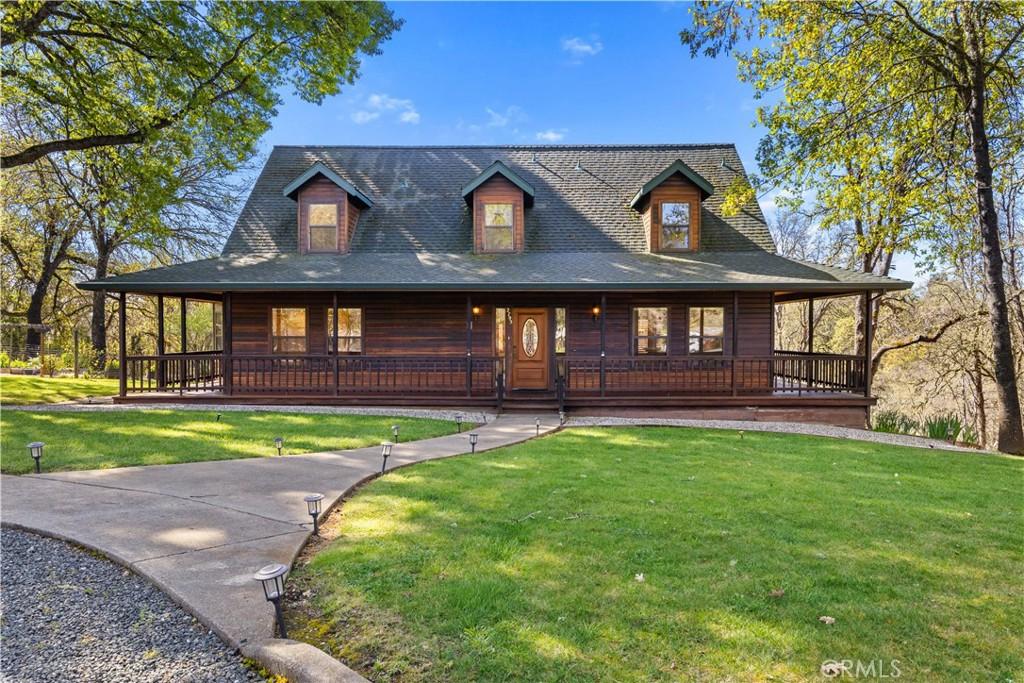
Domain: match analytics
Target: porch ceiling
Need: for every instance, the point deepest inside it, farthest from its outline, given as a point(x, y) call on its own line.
point(563, 271)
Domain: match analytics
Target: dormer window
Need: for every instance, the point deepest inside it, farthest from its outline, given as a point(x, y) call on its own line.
point(499, 227)
point(323, 227)
point(675, 226)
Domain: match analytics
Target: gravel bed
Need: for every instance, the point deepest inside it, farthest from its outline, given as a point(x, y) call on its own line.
point(68, 615)
point(785, 427)
point(97, 405)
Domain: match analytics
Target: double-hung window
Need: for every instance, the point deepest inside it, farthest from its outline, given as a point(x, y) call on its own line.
point(707, 329)
point(499, 222)
point(650, 331)
point(675, 226)
point(350, 329)
point(288, 330)
point(323, 227)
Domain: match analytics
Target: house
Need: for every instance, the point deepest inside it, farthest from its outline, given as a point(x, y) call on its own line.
point(588, 278)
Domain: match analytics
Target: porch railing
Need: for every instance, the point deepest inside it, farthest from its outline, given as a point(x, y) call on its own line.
point(182, 372)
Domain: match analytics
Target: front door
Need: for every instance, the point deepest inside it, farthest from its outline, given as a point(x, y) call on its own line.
point(530, 366)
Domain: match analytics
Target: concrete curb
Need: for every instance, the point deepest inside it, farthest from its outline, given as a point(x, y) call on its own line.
point(300, 662)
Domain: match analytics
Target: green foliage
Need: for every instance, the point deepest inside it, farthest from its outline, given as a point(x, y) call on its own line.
point(523, 563)
point(944, 427)
point(5, 360)
point(894, 422)
point(135, 70)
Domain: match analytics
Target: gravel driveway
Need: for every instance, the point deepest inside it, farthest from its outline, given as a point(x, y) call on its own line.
point(67, 615)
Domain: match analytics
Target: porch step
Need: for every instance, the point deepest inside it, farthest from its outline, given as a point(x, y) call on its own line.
point(539, 402)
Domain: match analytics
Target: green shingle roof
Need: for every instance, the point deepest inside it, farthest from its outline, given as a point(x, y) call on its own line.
point(608, 271)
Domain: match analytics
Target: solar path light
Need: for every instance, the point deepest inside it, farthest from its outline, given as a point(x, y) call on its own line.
point(473, 438)
point(561, 417)
point(313, 502)
point(537, 422)
point(394, 432)
point(278, 443)
point(385, 453)
point(35, 449)
point(458, 421)
point(272, 578)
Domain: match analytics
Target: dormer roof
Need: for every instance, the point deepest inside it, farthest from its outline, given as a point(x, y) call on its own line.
point(292, 189)
point(677, 166)
point(498, 168)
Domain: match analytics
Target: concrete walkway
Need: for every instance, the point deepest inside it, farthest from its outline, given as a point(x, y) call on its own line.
point(200, 530)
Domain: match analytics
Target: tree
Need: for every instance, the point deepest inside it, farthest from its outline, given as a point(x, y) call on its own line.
point(125, 71)
point(933, 83)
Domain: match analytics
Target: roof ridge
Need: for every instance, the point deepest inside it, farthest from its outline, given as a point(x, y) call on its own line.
point(665, 145)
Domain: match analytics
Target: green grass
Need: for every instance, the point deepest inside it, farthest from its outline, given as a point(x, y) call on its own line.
point(520, 564)
point(92, 440)
point(19, 390)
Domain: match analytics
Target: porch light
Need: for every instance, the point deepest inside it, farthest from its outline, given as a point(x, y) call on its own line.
point(385, 453)
point(595, 313)
point(35, 449)
point(458, 421)
point(473, 438)
point(313, 502)
point(272, 578)
point(537, 422)
point(394, 432)
point(278, 443)
point(476, 310)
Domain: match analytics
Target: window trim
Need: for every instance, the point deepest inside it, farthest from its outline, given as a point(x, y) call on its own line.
point(700, 336)
point(332, 343)
point(271, 335)
point(661, 227)
point(338, 211)
point(634, 346)
point(484, 225)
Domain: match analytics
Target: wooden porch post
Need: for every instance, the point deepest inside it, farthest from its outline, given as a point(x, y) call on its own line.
point(810, 324)
point(161, 348)
point(184, 341)
point(226, 343)
point(604, 313)
point(469, 346)
point(334, 340)
point(868, 339)
point(122, 343)
point(182, 363)
point(735, 338)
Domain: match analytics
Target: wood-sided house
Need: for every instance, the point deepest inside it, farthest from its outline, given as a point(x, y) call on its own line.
point(604, 278)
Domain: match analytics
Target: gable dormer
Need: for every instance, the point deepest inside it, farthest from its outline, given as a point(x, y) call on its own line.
point(671, 207)
point(498, 198)
point(328, 210)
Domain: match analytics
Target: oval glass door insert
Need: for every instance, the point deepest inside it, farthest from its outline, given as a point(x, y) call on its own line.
point(530, 337)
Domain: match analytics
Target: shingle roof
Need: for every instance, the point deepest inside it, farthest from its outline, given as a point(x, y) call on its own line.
point(418, 205)
point(368, 271)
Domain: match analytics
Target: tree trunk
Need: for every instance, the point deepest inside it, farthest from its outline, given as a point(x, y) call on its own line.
point(1011, 431)
point(98, 325)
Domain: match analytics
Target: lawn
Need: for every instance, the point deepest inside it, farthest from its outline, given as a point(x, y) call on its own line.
point(19, 390)
point(98, 439)
point(675, 555)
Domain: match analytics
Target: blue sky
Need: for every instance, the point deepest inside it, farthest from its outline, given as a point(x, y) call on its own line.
point(518, 73)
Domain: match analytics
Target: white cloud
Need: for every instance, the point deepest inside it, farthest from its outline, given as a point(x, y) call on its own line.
point(360, 117)
point(552, 135)
point(512, 114)
point(578, 48)
point(411, 116)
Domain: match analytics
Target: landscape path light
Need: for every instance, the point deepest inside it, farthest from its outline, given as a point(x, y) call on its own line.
point(313, 503)
point(394, 432)
point(35, 449)
point(385, 453)
point(272, 578)
point(278, 443)
point(537, 422)
point(458, 421)
point(473, 438)
point(561, 418)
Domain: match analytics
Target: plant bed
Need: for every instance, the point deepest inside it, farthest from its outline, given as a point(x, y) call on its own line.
point(646, 554)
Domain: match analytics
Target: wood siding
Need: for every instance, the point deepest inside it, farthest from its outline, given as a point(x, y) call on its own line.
point(320, 190)
point(498, 190)
point(674, 189)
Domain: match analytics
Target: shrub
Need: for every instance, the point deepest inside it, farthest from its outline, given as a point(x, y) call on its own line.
point(970, 436)
point(5, 360)
point(894, 422)
point(18, 364)
point(945, 427)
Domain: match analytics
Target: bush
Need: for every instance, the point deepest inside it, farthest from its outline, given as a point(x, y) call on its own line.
point(945, 427)
point(18, 364)
point(5, 360)
point(970, 436)
point(894, 422)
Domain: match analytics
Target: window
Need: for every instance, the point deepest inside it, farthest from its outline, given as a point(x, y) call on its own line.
point(559, 330)
point(498, 223)
point(323, 227)
point(707, 329)
point(500, 330)
point(675, 225)
point(350, 329)
point(288, 330)
point(650, 331)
